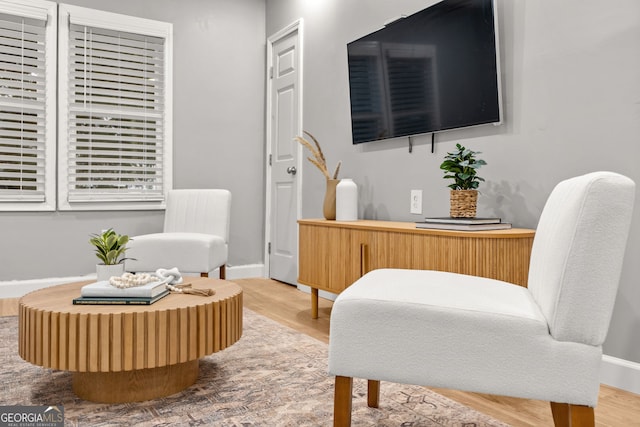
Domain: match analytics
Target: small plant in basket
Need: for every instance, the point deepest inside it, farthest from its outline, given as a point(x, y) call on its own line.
point(461, 166)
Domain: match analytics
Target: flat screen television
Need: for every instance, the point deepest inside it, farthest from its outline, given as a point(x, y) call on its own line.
point(435, 70)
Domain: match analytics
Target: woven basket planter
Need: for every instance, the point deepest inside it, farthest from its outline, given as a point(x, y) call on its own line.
point(463, 203)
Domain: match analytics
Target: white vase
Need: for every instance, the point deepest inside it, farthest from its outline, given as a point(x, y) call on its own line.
point(105, 272)
point(346, 200)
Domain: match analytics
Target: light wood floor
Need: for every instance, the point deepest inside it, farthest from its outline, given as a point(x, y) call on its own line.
point(287, 305)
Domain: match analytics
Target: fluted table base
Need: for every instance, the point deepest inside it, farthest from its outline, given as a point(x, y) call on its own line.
point(135, 386)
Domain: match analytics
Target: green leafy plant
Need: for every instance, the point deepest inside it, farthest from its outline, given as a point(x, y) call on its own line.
point(461, 166)
point(110, 246)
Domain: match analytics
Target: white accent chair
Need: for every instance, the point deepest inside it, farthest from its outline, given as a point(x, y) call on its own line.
point(195, 237)
point(470, 333)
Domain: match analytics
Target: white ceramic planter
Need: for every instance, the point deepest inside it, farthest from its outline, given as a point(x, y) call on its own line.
point(105, 272)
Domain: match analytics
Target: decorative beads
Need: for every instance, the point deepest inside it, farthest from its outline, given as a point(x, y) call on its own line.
point(187, 289)
point(174, 288)
point(130, 280)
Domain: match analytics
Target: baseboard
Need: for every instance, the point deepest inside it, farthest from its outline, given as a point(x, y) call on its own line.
point(321, 294)
point(18, 288)
point(245, 271)
point(620, 373)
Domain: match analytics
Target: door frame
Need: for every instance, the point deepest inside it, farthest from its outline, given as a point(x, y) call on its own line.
point(271, 40)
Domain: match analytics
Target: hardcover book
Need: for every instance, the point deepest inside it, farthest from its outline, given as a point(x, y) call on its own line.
point(464, 227)
point(106, 289)
point(451, 220)
point(120, 300)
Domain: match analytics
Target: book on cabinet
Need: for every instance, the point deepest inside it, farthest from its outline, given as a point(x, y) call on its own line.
point(464, 227)
point(466, 221)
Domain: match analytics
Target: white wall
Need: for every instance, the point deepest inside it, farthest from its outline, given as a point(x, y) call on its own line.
point(571, 81)
point(219, 63)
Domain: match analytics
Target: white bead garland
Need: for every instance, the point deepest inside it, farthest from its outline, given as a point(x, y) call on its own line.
point(174, 288)
point(130, 280)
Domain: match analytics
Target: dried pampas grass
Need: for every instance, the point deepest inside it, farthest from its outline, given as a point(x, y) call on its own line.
point(318, 156)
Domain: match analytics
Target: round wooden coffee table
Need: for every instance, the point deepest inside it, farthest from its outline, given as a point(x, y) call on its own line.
point(128, 353)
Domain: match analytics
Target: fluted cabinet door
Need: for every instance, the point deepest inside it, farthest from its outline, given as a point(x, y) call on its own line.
point(334, 254)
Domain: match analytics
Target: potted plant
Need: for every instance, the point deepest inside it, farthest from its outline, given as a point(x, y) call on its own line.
point(461, 166)
point(109, 248)
point(329, 205)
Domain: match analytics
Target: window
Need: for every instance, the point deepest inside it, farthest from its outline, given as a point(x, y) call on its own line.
point(27, 105)
point(114, 108)
point(115, 111)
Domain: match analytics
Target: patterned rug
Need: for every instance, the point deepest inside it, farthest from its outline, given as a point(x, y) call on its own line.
point(274, 376)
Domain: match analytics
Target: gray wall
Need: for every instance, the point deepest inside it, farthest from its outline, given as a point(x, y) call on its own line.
point(571, 83)
point(571, 94)
point(219, 62)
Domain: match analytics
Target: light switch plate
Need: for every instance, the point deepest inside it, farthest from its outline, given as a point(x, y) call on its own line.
point(416, 202)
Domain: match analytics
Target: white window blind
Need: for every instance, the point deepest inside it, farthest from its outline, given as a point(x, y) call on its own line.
point(27, 110)
point(115, 115)
point(116, 143)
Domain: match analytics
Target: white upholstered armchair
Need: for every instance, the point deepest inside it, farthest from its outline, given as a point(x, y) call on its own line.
point(471, 333)
point(195, 235)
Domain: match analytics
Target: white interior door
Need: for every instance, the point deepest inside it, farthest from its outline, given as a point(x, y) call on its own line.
point(284, 122)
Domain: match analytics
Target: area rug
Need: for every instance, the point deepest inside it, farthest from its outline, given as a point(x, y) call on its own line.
point(274, 376)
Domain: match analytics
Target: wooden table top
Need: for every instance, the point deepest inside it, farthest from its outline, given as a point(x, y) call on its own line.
point(57, 334)
point(60, 298)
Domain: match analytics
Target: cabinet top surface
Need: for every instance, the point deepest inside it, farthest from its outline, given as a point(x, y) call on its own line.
point(410, 227)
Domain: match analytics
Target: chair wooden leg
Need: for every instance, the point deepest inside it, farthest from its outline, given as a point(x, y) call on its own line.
point(342, 402)
point(373, 393)
point(567, 415)
point(560, 412)
point(223, 272)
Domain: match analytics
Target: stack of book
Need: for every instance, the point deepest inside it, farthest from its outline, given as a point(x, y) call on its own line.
point(103, 293)
point(464, 224)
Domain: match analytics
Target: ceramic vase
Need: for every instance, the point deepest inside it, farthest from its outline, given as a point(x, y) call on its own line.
point(346, 200)
point(105, 272)
point(329, 205)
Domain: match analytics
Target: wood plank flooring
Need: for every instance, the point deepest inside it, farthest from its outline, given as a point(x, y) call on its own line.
point(287, 305)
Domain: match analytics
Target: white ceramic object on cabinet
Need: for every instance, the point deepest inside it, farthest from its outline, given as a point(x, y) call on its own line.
point(346, 200)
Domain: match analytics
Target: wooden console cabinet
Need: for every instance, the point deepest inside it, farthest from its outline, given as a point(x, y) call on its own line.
point(334, 254)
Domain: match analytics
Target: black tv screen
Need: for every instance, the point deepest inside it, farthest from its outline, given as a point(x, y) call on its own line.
point(435, 70)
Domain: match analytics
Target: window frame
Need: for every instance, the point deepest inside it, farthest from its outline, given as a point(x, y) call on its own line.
point(114, 22)
point(31, 9)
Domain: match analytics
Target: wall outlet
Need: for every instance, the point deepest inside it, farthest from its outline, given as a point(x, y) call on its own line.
point(416, 202)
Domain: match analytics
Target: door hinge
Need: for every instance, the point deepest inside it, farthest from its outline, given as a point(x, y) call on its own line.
point(271, 72)
point(269, 248)
point(270, 159)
